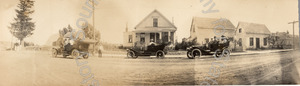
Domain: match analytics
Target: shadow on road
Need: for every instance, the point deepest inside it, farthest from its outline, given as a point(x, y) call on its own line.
point(290, 74)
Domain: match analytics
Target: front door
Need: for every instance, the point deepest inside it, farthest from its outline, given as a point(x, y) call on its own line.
point(257, 43)
point(165, 36)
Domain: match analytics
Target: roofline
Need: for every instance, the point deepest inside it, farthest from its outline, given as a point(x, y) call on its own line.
point(159, 14)
point(254, 23)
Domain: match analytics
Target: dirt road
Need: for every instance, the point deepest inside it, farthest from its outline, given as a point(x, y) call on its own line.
point(38, 68)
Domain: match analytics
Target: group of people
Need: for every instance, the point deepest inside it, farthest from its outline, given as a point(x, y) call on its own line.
point(216, 41)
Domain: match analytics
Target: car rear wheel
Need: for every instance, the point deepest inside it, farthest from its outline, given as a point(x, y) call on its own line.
point(160, 54)
point(86, 56)
point(54, 53)
point(196, 53)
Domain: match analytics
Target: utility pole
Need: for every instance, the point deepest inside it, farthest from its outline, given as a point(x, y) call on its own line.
point(94, 45)
point(293, 32)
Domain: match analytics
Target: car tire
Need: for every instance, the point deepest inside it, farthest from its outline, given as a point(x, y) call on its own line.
point(86, 56)
point(75, 53)
point(54, 53)
point(196, 53)
point(131, 54)
point(189, 55)
point(160, 54)
point(217, 53)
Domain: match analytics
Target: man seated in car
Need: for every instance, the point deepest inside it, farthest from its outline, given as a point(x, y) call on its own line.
point(223, 39)
point(152, 43)
point(212, 42)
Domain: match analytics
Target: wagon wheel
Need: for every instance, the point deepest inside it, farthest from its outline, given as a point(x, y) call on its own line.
point(160, 54)
point(54, 53)
point(189, 55)
point(131, 54)
point(196, 53)
point(75, 53)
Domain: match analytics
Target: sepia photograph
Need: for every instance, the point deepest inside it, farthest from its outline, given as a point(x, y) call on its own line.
point(149, 42)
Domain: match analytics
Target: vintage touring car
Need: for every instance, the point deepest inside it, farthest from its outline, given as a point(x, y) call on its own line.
point(215, 48)
point(157, 50)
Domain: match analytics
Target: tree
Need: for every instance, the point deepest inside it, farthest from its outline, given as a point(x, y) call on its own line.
point(22, 26)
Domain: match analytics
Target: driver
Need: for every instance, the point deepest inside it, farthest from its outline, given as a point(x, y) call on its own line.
point(152, 42)
point(68, 42)
point(223, 39)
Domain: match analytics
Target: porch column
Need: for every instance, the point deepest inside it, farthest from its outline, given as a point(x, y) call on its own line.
point(160, 35)
point(155, 38)
point(169, 36)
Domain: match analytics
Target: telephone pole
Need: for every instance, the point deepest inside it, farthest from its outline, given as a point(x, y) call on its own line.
point(94, 45)
point(293, 32)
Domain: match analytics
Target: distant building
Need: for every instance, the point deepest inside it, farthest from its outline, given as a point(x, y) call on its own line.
point(251, 36)
point(204, 29)
point(155, 26)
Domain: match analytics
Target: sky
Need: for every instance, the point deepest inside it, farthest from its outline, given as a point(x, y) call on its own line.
point(111, 16)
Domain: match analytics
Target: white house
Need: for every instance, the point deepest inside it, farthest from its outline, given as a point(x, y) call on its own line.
point(155, 26)
point(251, 36)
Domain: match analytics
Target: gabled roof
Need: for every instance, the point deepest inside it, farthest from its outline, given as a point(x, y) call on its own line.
point(153, 12)
point(210, 23)
point(254, 28)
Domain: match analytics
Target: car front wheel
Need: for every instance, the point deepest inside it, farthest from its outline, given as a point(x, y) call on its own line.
point(75, 53)
point(189, 55)
point(54, 53)
point(131, 54)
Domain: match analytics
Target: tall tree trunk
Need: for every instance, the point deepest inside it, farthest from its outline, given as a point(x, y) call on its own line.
point(21, 43)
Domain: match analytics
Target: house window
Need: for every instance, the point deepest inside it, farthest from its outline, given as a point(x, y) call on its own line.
point(240, 30)
point(240, 42)
point(251, 41)
point(155, 22)
point(265, 41)
point(130, 39)
point(142, 39)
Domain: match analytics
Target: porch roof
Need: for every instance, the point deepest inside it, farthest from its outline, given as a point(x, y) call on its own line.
point(154, 30)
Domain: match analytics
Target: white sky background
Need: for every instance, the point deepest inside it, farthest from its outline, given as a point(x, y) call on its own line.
point(112, 15)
